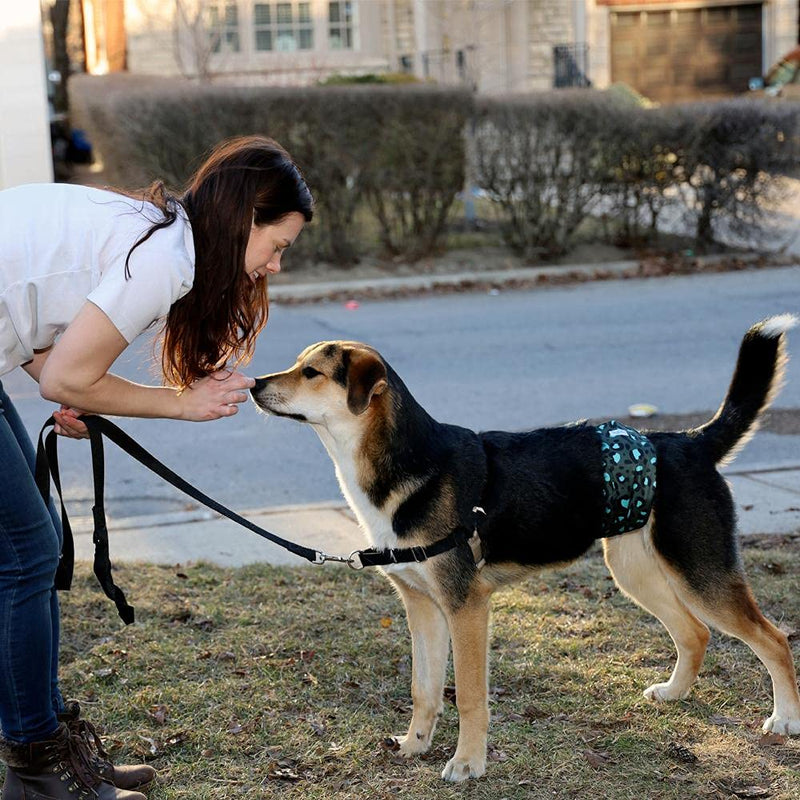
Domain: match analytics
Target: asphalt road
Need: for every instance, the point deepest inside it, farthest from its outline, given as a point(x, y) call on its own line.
point(511, 360)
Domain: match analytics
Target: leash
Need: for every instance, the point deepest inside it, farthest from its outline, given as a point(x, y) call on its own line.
point(47, 465)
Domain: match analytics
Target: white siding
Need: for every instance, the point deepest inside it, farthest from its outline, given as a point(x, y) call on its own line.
point(25, 155)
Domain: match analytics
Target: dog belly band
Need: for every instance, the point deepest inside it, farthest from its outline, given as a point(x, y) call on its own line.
point(629, 477)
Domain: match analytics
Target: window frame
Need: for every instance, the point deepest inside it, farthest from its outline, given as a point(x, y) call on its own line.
point(301, 22)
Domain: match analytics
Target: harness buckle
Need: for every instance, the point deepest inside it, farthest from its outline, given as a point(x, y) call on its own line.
point(474, 541)
point(419, 554)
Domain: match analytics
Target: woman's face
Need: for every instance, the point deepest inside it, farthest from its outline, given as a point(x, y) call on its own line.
point(267, 243)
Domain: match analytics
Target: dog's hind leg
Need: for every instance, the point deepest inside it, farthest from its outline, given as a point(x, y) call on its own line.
point(469, 630)
point(734, 611)
point(430, 646)
point(635, 568)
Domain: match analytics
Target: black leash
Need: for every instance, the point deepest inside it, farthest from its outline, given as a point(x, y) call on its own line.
point(47, 465)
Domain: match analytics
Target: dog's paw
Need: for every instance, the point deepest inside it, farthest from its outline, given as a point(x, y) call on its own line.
point(663, 692)
point(786, 726)
point(459, 769)
point(411, 744)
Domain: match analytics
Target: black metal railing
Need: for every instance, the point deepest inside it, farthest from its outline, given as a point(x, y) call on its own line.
point(571, 65)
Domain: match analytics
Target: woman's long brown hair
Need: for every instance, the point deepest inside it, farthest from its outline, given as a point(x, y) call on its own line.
point(244, 180)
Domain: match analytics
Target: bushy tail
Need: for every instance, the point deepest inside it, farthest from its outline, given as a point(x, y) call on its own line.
point(756, 380)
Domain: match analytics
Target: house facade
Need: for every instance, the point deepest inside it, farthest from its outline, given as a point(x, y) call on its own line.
point(665, 50)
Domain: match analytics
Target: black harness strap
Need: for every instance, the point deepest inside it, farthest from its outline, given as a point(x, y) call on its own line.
point(47, 464)
point(410, 555)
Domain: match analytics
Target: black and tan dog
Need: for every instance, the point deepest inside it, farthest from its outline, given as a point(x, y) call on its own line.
point(412, 480)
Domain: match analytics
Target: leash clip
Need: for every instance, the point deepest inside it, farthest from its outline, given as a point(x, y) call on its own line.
point(474, 541)
point(353, 560)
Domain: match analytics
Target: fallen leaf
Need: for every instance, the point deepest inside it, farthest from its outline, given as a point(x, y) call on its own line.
point(159, 714)
point(386, 622)
point(284, 774)
point(106, 672)
point(716, 719)
point(681, 753)
point(493, 754)
point(771, 739)
point(153, 749)
point(752, 791)
point(595, 758)
point(177, 738)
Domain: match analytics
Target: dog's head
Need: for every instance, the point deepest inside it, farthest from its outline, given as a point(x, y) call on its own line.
point(330, 382)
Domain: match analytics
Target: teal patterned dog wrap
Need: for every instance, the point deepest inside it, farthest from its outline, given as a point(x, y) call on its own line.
point(629, 472)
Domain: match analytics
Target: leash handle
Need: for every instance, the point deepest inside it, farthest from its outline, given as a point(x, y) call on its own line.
point(47, 465)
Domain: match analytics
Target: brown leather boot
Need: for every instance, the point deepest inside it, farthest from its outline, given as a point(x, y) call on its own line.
point(55, 769)
point(138, 776)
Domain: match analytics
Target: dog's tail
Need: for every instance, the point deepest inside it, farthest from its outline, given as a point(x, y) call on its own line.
point(756, 381)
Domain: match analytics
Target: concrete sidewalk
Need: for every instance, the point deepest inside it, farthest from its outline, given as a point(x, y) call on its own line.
point(767, 501)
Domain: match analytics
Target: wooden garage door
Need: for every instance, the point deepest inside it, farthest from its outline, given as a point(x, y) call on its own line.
point(682, 54)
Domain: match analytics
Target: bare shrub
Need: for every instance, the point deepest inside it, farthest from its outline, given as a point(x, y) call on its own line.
point(642, 172)
point(541, 159)
point(736, 154)
point(417, 167)
point(399, 147)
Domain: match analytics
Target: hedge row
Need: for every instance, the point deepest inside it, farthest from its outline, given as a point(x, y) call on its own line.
point(397, 157)
point(397, 150)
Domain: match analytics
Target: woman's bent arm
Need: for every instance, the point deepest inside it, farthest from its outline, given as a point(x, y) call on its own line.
point(75, 373)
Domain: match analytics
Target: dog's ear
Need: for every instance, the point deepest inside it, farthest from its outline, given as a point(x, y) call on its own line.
point(366, 377)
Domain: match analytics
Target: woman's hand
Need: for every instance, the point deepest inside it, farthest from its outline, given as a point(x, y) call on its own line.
point(215, 396)
point(68, 424)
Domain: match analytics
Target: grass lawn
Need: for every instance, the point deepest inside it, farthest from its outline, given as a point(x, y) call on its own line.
point(265, 682)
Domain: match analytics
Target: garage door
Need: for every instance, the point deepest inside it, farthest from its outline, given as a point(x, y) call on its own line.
point(682, 54)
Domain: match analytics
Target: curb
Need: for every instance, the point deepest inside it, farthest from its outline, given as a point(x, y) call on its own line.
point(519, 278)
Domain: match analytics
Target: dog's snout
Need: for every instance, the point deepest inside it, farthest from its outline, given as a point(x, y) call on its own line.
point(260, 384)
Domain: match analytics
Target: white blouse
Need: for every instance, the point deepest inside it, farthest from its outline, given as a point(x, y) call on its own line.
point(61, 245)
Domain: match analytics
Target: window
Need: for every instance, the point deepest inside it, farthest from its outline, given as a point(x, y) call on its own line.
point(222, 24)
point(283, 26)
point(340, 24)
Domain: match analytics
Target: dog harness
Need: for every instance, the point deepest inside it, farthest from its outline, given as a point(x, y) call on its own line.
point(629, 472)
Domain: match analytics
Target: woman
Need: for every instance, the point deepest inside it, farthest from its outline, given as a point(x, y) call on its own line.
point(82, 273)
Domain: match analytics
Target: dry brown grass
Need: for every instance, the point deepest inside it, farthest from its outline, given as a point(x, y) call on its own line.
point(263, 682)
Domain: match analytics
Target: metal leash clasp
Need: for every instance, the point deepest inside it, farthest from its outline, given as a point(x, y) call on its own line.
point(353, 561)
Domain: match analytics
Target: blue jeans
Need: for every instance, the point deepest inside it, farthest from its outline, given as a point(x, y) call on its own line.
point(30, 543)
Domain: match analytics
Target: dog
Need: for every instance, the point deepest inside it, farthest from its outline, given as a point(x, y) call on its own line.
point(412, 481)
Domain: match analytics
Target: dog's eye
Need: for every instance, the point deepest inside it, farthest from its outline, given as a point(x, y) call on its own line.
point(310, 372)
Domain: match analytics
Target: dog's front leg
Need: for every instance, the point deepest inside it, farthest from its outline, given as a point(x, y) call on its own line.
point(469, 629)
point(430, 645)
